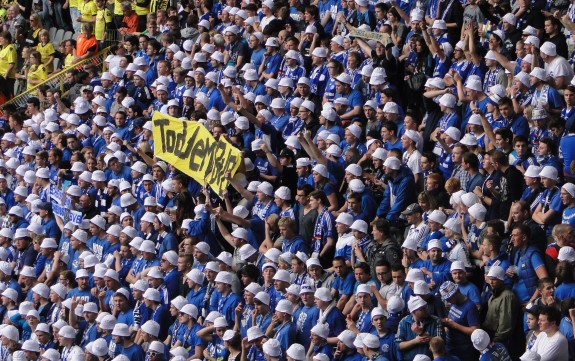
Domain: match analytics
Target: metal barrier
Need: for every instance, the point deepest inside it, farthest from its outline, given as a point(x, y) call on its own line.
point(57, 80)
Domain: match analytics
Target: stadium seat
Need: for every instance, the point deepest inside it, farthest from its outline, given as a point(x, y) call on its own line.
point(58, 38)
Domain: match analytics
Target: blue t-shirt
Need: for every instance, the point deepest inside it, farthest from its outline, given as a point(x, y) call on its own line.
point(272, 64)
point(466, 315)
point(551, 200)
point(305, 318)
point(344, 286)
point(568, 216)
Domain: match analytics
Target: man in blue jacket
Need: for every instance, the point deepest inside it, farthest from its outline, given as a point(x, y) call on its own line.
point(399, 193)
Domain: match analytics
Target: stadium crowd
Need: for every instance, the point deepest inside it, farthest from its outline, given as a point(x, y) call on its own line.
point(405, 195)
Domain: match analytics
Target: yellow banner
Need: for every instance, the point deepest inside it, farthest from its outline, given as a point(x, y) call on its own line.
point(192, 149)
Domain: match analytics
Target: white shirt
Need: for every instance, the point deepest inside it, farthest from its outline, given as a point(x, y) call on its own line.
point(265, 21)
point(417, 233)
point(559, 67)
point(552, 348)
point(413, 161)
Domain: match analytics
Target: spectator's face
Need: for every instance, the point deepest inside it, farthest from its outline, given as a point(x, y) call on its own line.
point(548, 182)
point(354, 205)
point(566, 198)
point(532, 322)
point(85, 201)
point(360, 275)
point(547, 290)
point(269, 273)
point(383, 273)
point(518, 238)
point(221, 287)
point(155, 282)
point(435, 254)
point(42, 337)
point(569, 97)
point(543, 323)
point(82, 282)
point(198, 254)
point(520, 148)
point(459, 276)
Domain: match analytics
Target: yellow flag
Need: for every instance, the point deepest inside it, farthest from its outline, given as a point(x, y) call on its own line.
point(191, 148)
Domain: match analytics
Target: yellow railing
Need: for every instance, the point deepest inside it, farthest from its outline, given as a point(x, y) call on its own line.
point(57, 79)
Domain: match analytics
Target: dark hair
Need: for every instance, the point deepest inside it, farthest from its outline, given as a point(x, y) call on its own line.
point(523, 228)
point(471, 159)
point(505, 133)
point(306, 188)
point(155, 44)
point(382, 263)
point(554, 21)
point(497, 225)
point(500, 157)
point(494, 239)
point(542, 281)
point(6, 35)
point(355, 196)
point(382, 225)
point(550, 145)
point(566, 305)
point(463, 147)
point(390, 126)
point(552, 313)
point(364, 266)
point(505, 101)
point(564, 272)
point(317, 194)
point(520, 138)
point(132, 40)
point(313, 10)
point(431, 157)
point(340, 258)
point(34, 100)
point(250, 271)
point(397, 267)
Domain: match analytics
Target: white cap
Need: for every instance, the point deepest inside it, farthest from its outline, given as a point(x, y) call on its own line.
point(496, 272)
point(510, 18)
point(360, 226)
point(323, 294)
point(434, 243)
point(566, 253)
point(549, 48)
point(272, 348)
point(321, 170)
point(538, 73)
point(474, 84)
point(296, 351)
point(392, 163)
point(453, 133)
point(480, 339)
point(414, 275)
point(66, 332)
point(478, 211)
point(415, 303)
point(549, 172)
point(448, 100)
point(152, 295)
point(254, 333)
point(319, 52)
point(347, 337)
